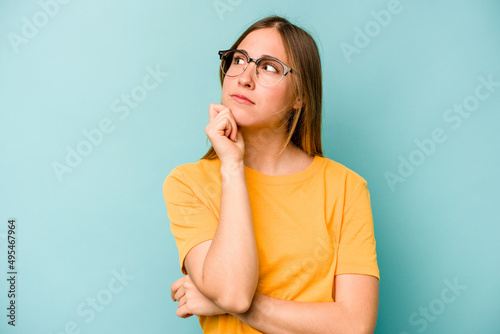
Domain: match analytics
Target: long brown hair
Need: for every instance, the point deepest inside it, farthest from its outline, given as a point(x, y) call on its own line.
point(304, 124)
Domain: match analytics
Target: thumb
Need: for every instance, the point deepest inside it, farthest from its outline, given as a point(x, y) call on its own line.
point(240, 142)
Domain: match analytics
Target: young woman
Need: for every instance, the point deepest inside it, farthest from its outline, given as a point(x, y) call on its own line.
point(272, 236)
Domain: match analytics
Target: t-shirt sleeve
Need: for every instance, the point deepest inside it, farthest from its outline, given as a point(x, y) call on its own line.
point(191, 221)
point(356, 252)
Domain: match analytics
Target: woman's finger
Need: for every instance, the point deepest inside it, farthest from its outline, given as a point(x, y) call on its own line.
point(230, 126)
point(225, 126)
point(180, 293)
point(183, 312)
point(214, 110)
point(182, 301)
point(234, 128)
point(222, 126)
point(175, 286)
point(221, 111)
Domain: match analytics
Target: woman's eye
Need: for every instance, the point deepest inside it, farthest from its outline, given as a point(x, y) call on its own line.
point(238, 61)
point(270, 68)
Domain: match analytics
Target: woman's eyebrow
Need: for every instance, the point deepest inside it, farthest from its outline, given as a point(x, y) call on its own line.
point(263, 55)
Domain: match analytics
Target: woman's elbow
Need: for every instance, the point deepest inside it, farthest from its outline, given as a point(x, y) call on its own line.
point(235, 303)
point(363, 327)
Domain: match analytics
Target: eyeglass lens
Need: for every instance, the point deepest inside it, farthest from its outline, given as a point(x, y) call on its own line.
point(268, 71)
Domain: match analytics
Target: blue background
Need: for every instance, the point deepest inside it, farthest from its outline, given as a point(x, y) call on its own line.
point(76, 232)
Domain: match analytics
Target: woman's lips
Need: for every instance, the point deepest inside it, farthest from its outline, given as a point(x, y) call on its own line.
point(242, 99)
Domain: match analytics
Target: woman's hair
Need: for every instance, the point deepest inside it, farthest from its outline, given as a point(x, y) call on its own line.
point(303, 125)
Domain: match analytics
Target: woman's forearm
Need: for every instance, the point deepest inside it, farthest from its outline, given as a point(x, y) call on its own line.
point(273, 315)
point(230, 270)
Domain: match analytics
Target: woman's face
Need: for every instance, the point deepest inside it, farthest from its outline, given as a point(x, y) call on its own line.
point(252, 104)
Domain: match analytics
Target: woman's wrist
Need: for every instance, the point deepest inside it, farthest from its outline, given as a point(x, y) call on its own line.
point(232, 169)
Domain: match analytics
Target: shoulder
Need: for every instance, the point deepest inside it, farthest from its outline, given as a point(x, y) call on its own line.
point(335, 171)
point(197, 172)
point(341, 181)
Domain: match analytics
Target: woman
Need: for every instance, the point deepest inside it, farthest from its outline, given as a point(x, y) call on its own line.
point(272, 236)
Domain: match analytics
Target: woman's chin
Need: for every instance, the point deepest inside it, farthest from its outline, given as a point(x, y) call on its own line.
point(239, 114)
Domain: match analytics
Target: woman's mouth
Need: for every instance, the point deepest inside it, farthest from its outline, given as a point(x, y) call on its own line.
point(242, 99)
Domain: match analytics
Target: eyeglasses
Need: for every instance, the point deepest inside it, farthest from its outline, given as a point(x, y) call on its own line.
point(268, 70)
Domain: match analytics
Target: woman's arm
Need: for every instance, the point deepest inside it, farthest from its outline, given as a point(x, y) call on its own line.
point(354, 311)
point(225, 269)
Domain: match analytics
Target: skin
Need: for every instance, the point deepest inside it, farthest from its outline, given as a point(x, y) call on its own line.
point(259, 123)
point(223, 272)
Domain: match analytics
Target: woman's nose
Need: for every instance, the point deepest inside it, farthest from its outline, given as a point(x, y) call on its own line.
point(247, 78)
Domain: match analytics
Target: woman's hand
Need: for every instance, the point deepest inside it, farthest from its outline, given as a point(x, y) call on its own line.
point(222, 131)
point(191, 301)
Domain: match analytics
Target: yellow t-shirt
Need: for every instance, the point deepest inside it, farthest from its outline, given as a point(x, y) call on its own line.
point(309, 227)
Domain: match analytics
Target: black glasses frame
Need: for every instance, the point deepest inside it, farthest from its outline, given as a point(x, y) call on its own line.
point(286, 69)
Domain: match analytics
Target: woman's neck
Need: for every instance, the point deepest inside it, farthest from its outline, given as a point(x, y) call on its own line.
point(263, 145)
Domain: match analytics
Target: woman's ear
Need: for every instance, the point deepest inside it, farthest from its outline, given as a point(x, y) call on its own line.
point(299, 103)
